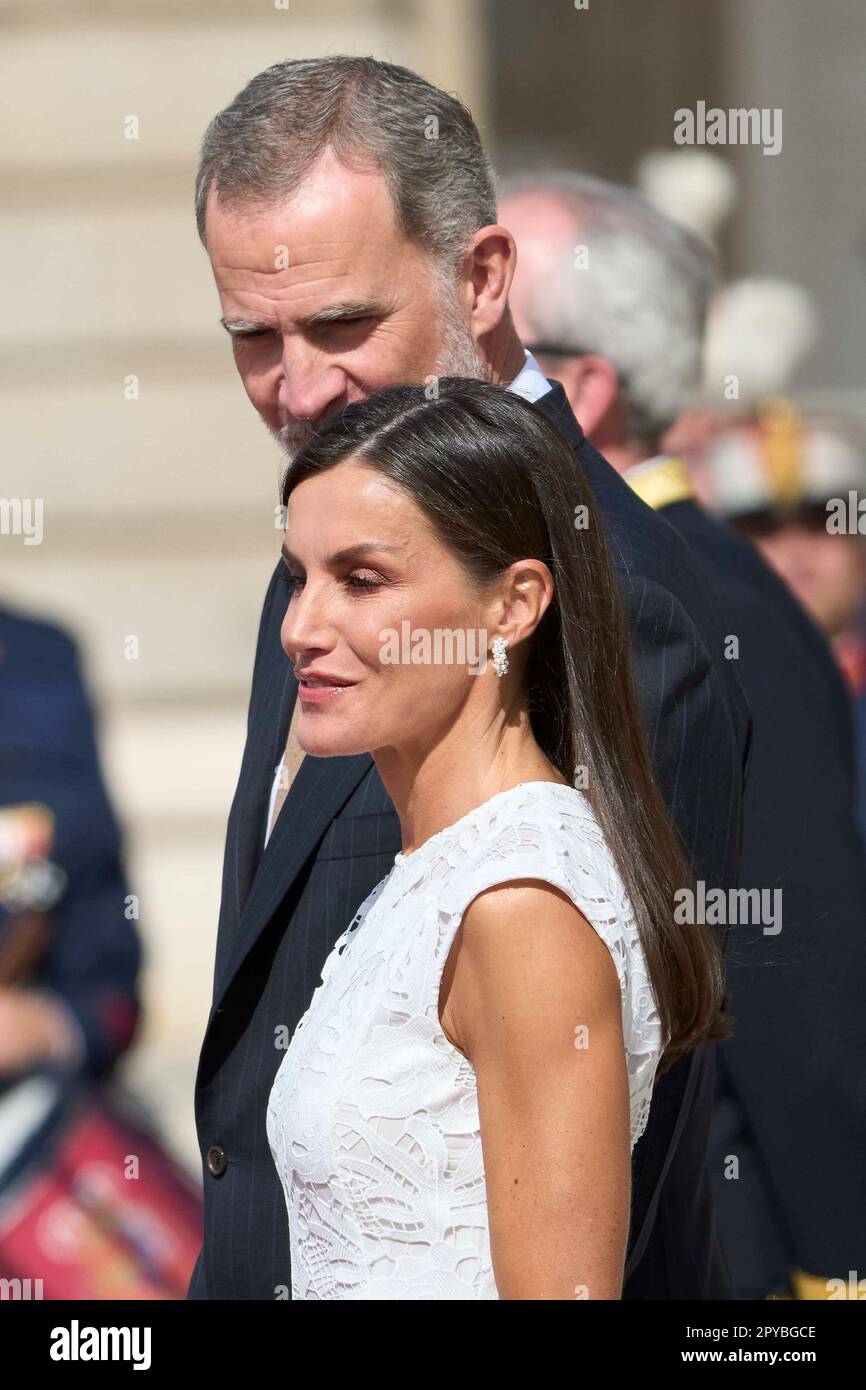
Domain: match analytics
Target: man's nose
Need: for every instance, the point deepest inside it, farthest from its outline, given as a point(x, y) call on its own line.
point(310, 385)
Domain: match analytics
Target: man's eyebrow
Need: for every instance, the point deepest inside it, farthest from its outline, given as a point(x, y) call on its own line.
point(234, 325)
point(334, 312)
point(352, 552)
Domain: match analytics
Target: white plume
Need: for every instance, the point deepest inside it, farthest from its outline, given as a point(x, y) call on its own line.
point(694, 187)
point(758, 333)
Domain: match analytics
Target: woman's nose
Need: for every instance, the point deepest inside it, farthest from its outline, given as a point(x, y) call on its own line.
point(305, 625)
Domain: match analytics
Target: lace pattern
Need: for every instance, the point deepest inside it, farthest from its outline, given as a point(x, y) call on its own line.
point(372, 1118)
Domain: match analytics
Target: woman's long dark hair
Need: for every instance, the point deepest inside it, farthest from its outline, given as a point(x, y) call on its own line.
point(499, 483)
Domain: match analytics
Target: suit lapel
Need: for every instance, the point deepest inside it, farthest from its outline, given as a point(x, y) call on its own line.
point(270, 707)
point(321, 788)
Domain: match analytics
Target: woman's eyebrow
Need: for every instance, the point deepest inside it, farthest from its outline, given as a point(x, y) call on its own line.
point(352, 552)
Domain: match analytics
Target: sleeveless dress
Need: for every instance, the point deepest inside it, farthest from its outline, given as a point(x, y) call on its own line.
point(372, 1119)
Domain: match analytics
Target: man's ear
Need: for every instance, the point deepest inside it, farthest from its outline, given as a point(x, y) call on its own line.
point(592, 387)
point(490, 262)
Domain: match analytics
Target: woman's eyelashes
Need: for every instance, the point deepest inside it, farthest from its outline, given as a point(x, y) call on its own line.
point(364, 581)
point(355, 582)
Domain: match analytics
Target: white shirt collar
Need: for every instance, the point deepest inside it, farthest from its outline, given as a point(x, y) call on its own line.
point(530, 381)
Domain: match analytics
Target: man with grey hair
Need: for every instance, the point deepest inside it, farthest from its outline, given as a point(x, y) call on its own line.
point(349, 213)
point(624, 289)
point(613, 296)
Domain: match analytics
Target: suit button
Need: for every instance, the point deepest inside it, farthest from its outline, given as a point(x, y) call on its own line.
point(216, 1160)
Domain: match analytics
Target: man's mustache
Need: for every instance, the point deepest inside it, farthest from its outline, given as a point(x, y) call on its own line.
point(295, 434)
point(292, 437)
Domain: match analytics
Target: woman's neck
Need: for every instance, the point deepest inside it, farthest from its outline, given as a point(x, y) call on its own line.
point(432, 789)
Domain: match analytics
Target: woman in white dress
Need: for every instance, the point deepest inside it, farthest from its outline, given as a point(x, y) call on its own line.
point(455, 1113)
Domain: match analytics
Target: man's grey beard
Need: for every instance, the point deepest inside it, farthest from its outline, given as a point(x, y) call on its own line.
point(458, 356)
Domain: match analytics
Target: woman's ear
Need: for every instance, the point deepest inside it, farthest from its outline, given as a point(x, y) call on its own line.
point(525, 593)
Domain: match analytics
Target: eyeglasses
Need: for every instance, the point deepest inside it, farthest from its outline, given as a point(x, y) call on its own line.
point(560, 350)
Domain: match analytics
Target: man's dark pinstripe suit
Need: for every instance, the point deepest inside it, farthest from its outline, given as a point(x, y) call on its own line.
point(336, 837)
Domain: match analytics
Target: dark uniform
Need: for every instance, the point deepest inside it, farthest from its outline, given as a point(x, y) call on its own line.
point(791, 1103)
point(49, 769)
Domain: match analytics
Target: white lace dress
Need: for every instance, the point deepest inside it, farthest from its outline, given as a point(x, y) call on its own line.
point(372, 1118)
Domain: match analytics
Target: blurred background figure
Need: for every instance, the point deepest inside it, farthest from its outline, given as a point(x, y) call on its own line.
point(75, 1221)
point(792, 484)
point(759, 331)
point(69, 945)
point(612, 297)
point(695, 188)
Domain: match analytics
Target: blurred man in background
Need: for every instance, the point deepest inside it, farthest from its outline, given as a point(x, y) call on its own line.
point(787, 483)
point(91, 1204)
point(70, 1218)
point(69, 944)
point(612, 298)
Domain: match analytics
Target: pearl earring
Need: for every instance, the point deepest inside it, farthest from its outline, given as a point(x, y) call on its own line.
point(500, 656)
